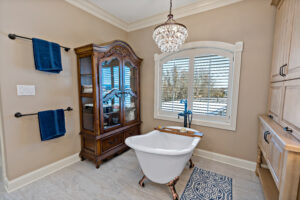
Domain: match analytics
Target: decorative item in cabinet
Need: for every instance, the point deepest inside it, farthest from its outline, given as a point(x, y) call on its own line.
point(109, 97)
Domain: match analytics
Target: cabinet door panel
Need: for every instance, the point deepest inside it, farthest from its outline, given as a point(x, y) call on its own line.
point(275, 100)
point(291, 107)
point(277, 58)
point(294, 64)
point(110, 90)
point(131, 103)
point(282, 38)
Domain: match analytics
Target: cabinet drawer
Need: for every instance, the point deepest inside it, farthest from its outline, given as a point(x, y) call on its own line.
point(111, 142)
point(275, 159)
point(264, 139)
point(131, 132)
point(273, 151)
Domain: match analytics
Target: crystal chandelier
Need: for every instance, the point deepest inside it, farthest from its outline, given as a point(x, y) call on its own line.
point(170, 35)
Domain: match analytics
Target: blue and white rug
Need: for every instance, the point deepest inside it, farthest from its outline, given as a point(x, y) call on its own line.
point(206, 185)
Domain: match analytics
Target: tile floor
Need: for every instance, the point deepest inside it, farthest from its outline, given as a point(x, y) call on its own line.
point(118, 179)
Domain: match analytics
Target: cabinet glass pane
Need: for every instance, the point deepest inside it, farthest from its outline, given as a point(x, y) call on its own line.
point(111, 92)
point(130, 87)
point(87, 113)
point(86, 75)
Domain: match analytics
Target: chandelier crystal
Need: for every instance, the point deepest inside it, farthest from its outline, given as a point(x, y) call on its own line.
point(170, 35)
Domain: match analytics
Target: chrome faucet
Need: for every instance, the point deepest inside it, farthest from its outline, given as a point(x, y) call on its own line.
point(186, 114)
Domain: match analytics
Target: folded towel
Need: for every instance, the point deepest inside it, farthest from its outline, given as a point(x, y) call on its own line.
point(46, 56)
point(87, 88)
point(52, 124)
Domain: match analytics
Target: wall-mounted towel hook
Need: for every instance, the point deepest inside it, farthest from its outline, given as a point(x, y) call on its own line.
point(18, 114)
point(13, 36)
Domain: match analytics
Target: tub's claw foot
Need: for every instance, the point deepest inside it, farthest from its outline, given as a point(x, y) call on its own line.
point(141, 182)
point(191, 164)
point(171, 185)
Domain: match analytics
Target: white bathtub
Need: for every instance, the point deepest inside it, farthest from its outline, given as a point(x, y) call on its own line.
point(162, 156)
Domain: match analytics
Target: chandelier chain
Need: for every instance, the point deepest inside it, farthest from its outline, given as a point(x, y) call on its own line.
point(170, 7)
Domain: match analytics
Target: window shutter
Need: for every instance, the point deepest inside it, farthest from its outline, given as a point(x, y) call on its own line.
point(211, 80)
point(174, 84)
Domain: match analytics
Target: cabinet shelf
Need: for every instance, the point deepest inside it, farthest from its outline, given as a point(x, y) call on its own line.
point(89, 95)
point(268, 184)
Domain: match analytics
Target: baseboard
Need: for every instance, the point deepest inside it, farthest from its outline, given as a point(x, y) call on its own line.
point(12, 185)
point(237, 162)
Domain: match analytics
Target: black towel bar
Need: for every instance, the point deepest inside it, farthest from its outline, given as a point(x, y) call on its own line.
point(18, 114)
point(14, 36)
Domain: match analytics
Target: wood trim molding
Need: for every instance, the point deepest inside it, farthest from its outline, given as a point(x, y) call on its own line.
point(99, 12)
point(12, 185)
point(194, 8)
point(275, 2)
point(237, 162)
point(197, 7)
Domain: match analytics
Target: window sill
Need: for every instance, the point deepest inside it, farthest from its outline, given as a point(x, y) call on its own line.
point(213, 124)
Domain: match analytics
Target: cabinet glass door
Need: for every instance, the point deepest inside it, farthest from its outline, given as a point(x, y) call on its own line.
point(130, 92)
point(111, 94)
point(86, 93)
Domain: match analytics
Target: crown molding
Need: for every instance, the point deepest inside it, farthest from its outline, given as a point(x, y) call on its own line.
point(99, 12)
point(194, 8)
point(191, 9)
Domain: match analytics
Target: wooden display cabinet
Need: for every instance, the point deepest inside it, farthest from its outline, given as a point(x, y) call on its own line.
point(109, 98)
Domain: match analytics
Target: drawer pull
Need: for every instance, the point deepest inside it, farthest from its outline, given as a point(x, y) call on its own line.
point(287, 129)
point(112, 141)
point(281, 73)
point(266, 135)
point(271, 116)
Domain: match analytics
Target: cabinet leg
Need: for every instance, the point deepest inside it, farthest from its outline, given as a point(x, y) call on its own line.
point(98, 163)
point(258, 160)
point(82, 158)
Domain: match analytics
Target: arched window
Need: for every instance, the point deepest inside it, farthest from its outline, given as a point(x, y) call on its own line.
point(206, 73)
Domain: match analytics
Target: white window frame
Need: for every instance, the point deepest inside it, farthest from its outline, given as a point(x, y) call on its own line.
point(193, 49)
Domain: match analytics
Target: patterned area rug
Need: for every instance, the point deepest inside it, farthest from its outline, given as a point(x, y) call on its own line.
point(206, 185)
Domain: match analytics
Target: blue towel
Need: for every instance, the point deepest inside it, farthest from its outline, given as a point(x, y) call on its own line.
point(47, 56)
point(52, 124)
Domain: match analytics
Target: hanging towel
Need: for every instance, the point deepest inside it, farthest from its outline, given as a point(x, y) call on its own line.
point(47, 56)
point(52, 124)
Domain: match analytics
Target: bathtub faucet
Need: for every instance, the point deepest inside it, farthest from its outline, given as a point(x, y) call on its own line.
point(186, 114)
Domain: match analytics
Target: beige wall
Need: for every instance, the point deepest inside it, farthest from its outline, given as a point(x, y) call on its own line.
point(53, 20)
point(250, 21)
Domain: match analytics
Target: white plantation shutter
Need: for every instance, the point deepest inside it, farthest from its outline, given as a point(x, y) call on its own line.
point(174, 84)
point(206, 73)
point(210, 86)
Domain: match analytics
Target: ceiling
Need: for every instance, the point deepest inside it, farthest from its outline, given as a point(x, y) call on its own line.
point(133, 10)
point(131, 15)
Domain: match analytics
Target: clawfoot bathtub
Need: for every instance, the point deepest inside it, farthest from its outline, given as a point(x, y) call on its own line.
point(163, 156)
